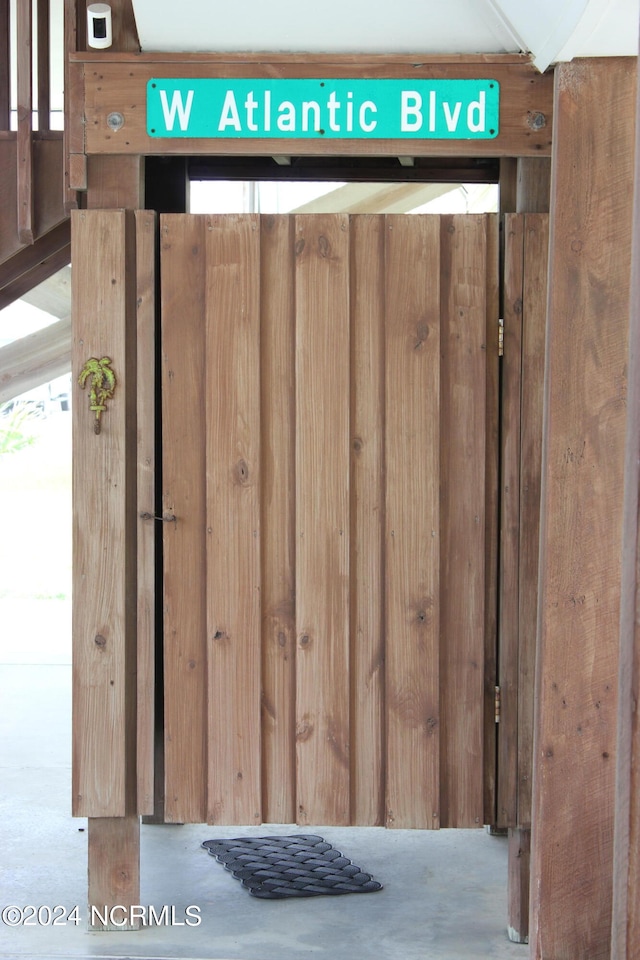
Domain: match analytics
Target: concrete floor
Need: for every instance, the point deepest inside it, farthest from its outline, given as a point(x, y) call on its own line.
point(444, 894)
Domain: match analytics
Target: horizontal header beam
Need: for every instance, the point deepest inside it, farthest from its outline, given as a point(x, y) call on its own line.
point(117, 84)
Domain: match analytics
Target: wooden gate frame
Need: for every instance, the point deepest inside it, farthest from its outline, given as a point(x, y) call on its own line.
point(108, 168)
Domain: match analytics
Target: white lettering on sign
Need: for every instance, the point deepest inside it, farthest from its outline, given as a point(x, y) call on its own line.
point(412, 118)
point(410, 111)
point(340, 116)
point(355, 108)
point(229, 116)
point(451, 119)
point(367, 125)
point(479, 108)
point(177, 106)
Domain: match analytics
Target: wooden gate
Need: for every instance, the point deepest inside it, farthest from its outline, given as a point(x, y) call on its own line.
point(329, 424)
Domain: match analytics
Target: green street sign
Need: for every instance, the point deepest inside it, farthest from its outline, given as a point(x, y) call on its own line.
point(245, 109)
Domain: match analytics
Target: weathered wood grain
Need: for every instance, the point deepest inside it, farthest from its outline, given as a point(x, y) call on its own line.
point(277, 518)
point(581, 521)
point(24, 170)
point(120, 84)
point(510, 522)
point(230, 394)
point(183, 264)
point(114, 871)
point(367, 519)
point(322, 519)
point(626, 867)
point(104, 544)
point(491, 526)
point(412, 523)
point(146, 500)
point(534, 310)
point(463, 283)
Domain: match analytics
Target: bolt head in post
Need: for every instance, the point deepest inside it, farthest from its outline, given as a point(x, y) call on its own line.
point(115, 121)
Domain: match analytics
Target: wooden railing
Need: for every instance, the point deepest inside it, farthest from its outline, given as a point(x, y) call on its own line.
point(32, 201)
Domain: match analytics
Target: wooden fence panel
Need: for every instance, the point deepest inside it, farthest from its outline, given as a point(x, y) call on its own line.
point(231, 396)
point(412, 530)
point(183, 263)
point(462, 504)
point(322, 519)
point(367, 519)
point(510, 522)
point(277, 338)
point(104, 545)
point(325, 618)
point(146, 482)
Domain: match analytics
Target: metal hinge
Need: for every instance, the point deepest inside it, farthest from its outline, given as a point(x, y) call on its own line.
point(500, 338)
point(497, 703)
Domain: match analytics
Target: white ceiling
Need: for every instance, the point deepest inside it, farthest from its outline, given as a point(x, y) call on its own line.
point(551, 30)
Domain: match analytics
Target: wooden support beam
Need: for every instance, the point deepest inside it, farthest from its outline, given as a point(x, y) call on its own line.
point(581, 521)
point(31, 361)
point(626, 889)
point(34, 264)
point(377, 198)
point(120, 85)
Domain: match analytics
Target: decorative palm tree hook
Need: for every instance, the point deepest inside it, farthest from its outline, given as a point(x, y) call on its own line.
point(103, 385)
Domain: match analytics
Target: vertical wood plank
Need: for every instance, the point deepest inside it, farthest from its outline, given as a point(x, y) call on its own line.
point(24, 31)
point(5, 70)
point(510, 522)
point(114, 871)
point(626, 866)
point(231, 392)
point(581, 521)
point(322, 518)
point(277, 338)
point(146, 499)
point(462, 520)
point(182, 247)
point(412, 534)
point(534, 310)
point(104, 571)
point(518, 884)
point(534, 185)
point(492, 471)
point(367, 519)
point(44, 99)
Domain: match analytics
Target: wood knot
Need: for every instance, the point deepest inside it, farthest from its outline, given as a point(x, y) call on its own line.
point(422, 332)
point(241, 472)
point(324, 246)
point(100, 641)
point(299, 247)
point(305, 640)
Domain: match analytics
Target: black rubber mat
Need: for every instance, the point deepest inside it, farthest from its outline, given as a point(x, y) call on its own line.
point(298, 866)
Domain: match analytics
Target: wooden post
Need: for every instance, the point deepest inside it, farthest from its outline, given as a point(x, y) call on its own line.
point(626, 887)
point(532, 196)
point(104, 323)
point(581, 520)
